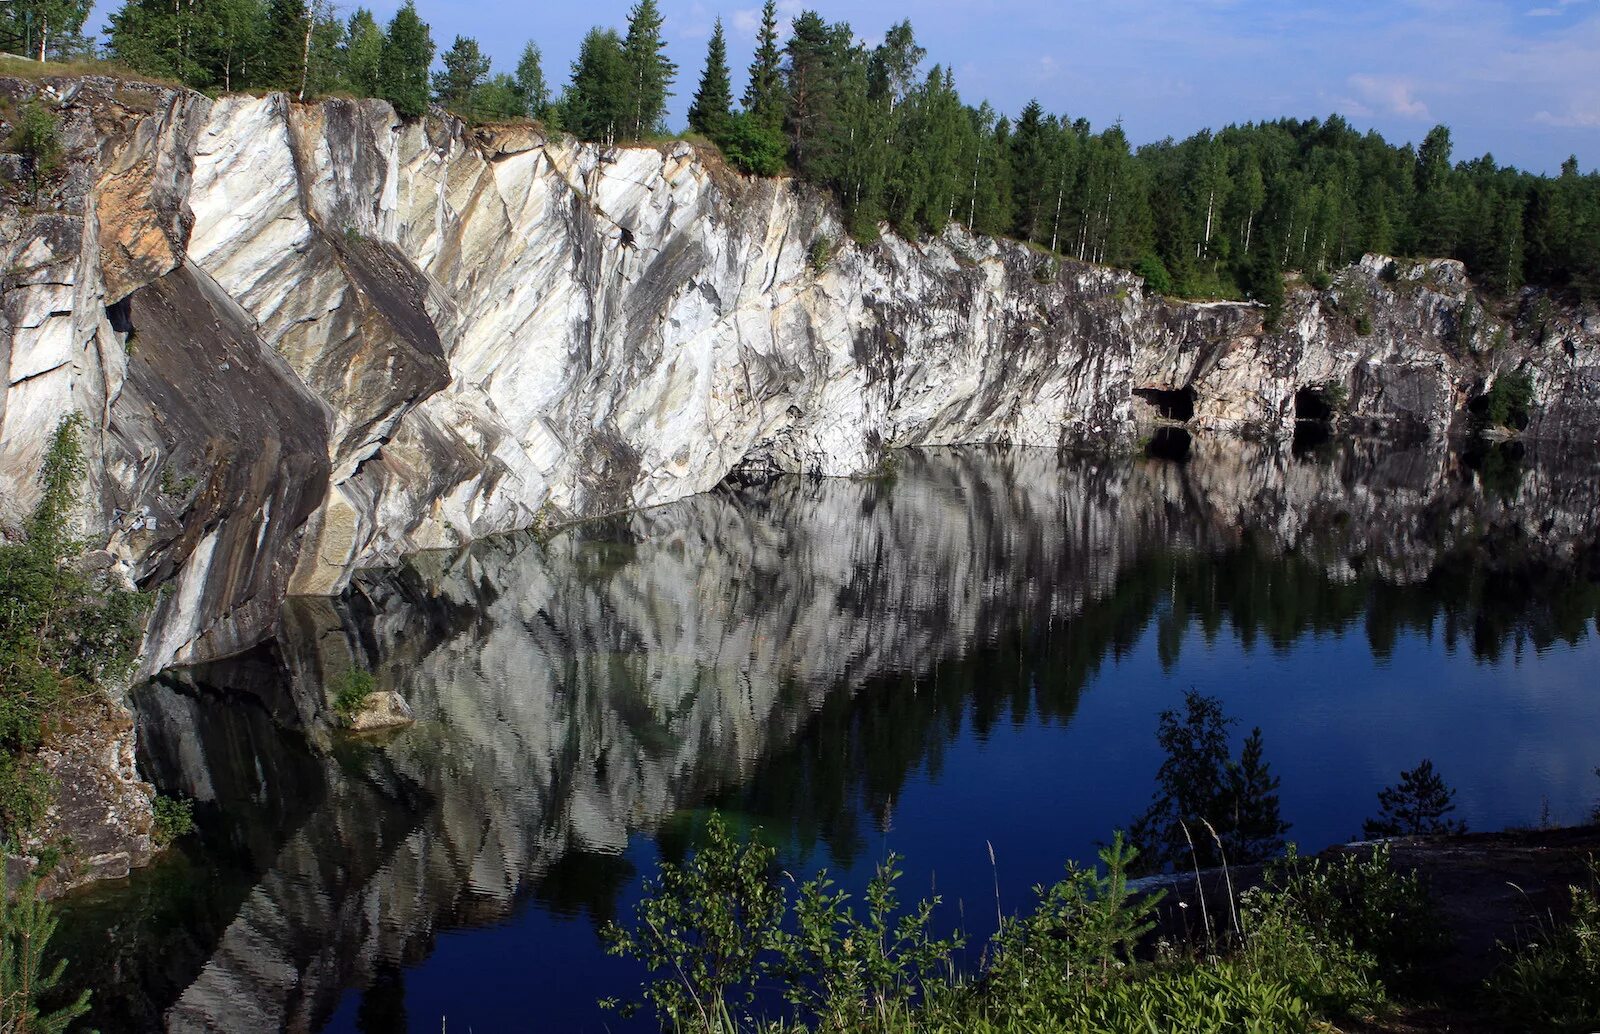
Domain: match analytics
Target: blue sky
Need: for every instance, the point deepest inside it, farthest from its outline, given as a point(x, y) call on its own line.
point(1518, 78)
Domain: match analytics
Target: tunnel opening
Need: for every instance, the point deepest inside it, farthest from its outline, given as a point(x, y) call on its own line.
point(1169, 403)
point(1313, 404)
point(120, 315)
point(1170, 444)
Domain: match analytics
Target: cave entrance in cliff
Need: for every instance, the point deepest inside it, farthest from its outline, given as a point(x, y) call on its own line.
point(1169, 403)
point(1314, 410)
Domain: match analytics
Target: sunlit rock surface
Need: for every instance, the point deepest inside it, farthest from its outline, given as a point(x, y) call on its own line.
point(311, 338)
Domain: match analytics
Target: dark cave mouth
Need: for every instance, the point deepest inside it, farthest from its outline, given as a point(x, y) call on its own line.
point(1169, 403)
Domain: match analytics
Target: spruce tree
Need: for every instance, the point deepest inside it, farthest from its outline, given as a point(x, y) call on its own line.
point(531, 86)
point(465, 69)
point(403, 63)
point(649, 72)
point(763, 95)
point(363, 48)
point(713, 101)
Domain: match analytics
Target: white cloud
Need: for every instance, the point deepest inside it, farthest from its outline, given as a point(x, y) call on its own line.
point(1575, 117)
point(1389, 93)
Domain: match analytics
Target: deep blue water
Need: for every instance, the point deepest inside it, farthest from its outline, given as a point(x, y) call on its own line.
point(972, 655)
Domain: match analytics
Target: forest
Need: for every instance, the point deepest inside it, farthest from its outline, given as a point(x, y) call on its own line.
point(1220, 214)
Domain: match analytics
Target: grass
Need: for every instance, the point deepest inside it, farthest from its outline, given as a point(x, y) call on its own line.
point(37, 71)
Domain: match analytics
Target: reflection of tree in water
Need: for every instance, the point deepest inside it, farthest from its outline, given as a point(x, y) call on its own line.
point(843, 772)
point(796, 654)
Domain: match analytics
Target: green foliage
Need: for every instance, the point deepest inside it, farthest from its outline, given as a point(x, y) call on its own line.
point(1356, 900)
point(594, 105)
point(763, 96)
point(852, 972)
point(1208, 807)
point(713, 101)
point(1155, 275)
point(403, 62)
point(1083, 930)
point(174, 819)
point(363, 50)
point(63, 634)
point(531, 85)
point(1192, 999)
point(34, 136)
point(26, 927)
point(350, 693)
point(648, 79)
point(708, 929)
point(466, 67)
point(821, 253)
point(1264, 284)
point(1508, 401)
point(45, 29)
point(1416, 805)
point(752, 147)
point(1553, 981)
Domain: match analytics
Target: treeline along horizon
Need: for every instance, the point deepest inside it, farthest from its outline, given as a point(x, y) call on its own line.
point(1219, 214)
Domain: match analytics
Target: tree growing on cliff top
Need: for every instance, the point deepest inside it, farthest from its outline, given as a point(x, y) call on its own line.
point(763, 95)
point(594, 105)
point(363, 50)
point(403, 63)
point(465, 69)
point(531, 85)
point(650, 74)
point(713, 101)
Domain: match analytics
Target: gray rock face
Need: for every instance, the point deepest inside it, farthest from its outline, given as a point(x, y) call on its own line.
point(312, 338)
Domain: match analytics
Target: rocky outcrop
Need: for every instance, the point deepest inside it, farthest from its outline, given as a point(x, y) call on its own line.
point(312, 338)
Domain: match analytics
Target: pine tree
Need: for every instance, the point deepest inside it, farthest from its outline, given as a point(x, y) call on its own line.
point(403, 63)
point(1256, 827)
point(465, 69)
point(45, 29)
point(763, 95)
point(713, 101)
point(1416, 805)
point(26, 927)
point(650, 74)
point(531, 86)
point(363, 48)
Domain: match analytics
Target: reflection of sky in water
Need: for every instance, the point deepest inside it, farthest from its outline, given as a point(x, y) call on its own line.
point(1338, 724)
point(599, 691)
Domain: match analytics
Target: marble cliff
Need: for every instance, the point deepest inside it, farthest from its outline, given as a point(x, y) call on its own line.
point(311, 338)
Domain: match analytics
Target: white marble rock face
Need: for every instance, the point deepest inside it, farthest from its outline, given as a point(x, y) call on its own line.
point(311, 338)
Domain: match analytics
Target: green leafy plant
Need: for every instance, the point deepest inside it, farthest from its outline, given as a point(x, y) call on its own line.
point(854, 972)
point(821, 253)
point(1084, 929)
point(350, 693)
point(1508, 401)
point(64, 635)
point(34, 136)
point(751, 146)
point(1553, 981)
point(707, 930)
point(26, 926)
point(174, 819)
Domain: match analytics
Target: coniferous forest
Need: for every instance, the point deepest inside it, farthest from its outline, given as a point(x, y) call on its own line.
point(1220, 214)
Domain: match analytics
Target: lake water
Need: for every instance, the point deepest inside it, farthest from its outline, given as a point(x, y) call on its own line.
point(971, 653)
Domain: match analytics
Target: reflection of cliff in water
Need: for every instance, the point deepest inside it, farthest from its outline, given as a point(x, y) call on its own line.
point(799, 649)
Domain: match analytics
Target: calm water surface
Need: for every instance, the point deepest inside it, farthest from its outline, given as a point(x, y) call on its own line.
point(971, 653)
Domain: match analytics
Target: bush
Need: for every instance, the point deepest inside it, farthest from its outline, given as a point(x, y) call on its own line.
point(63, 635)
point(1155, 275)
point(752, 147)
point(1360, 901)
point(174, 819)
point(350, 693)
point(1508, 401)
point(1553, 982)
point(34, 137)
point(821, 253)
